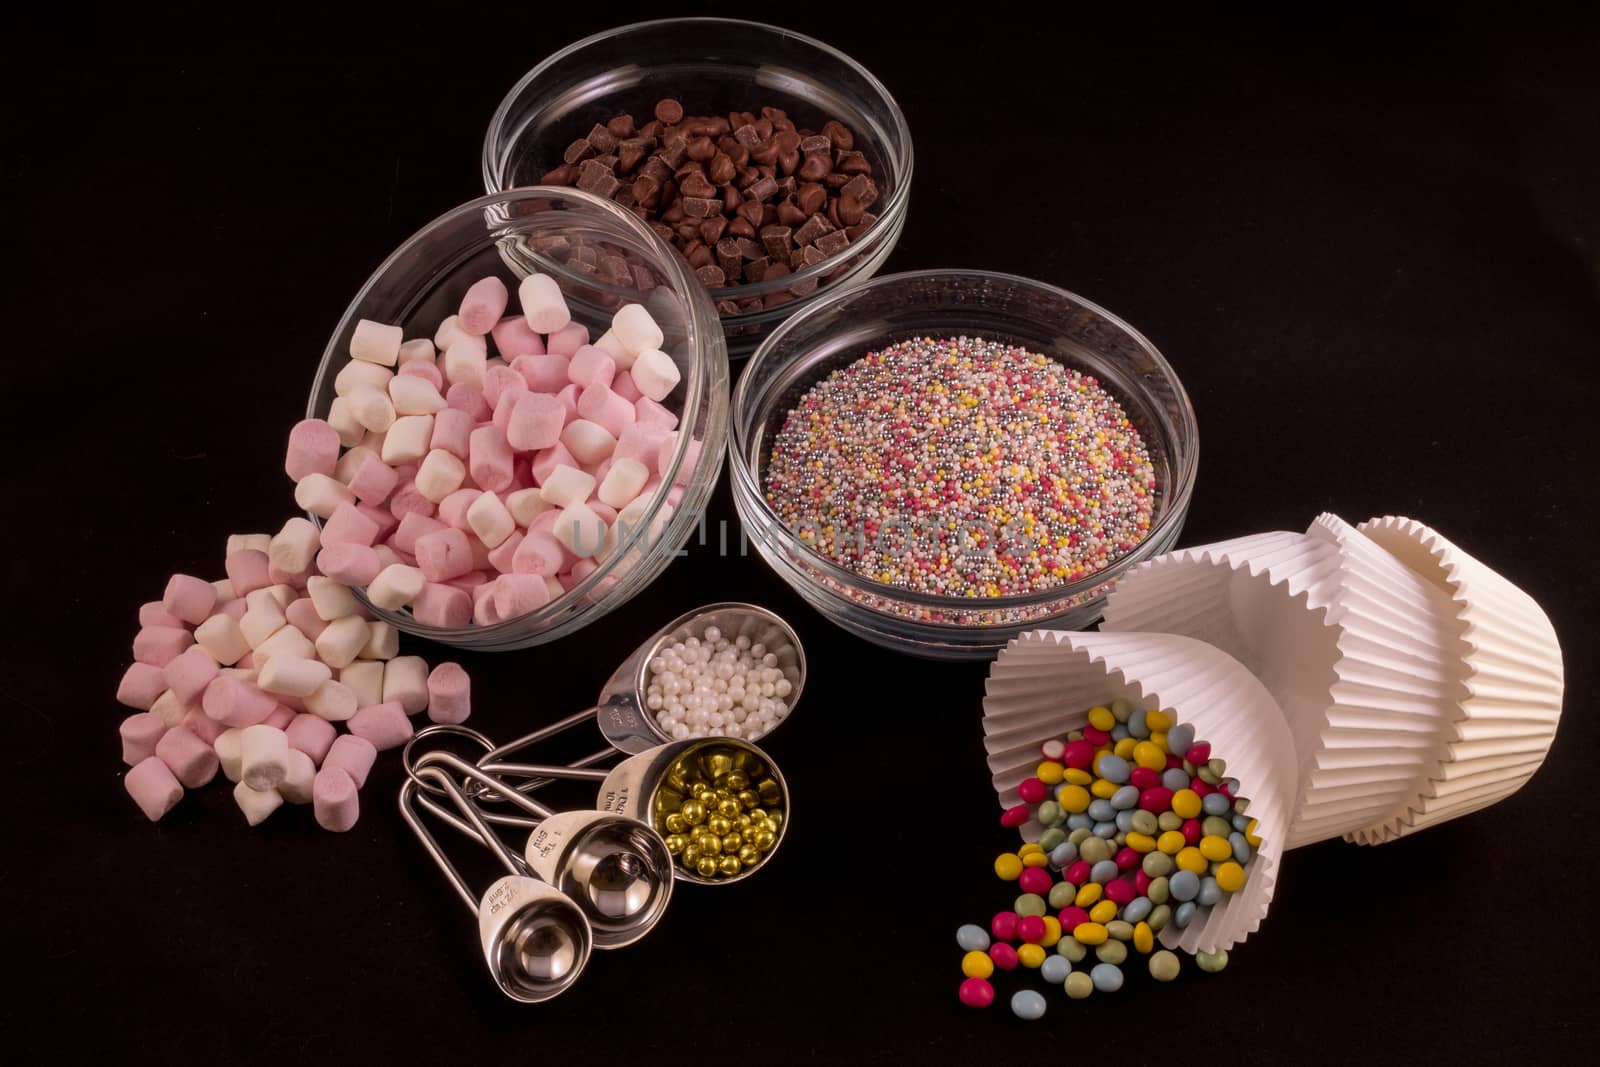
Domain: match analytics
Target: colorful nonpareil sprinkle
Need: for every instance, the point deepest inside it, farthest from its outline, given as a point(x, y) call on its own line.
point(962, 467)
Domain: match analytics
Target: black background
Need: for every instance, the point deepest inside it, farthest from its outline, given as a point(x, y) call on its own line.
point(1368, 244)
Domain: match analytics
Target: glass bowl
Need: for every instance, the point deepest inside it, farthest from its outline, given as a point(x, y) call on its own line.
point(422, 282)
point(844, 325)
point(713, 66)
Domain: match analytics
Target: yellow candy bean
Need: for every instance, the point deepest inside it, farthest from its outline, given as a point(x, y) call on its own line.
point(1213, 847)
point(1073, 798)
point(1251, 837)
point(1103, 789)
point(1141, 842)
point(1052, 931)
point(1104, 911)
point(1077, 777)
point(1187, 803)
point(1125, 747)
point(977, 965)
point(1030, 956)
point(1036, 859)
point(1144, 938)
point(1159, 720)
point(1102, 719)
point(1149, 756)
point(1230, 877)
point(1090, 933)
point(1029, 848)
point(1159, 739)
point(1088, 893)
point(1008, 865)
point(1049, 772)
point(1171, 842)
point(1191, 859)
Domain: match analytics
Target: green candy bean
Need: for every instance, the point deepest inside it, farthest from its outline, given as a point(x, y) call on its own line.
point(1061, 896)
point(1079, 985)
point(1029, 904)
point(1094, 849)
point(1077, 837)
point(1217, 767)
point(1145, 822)
point(1121, 709)
point(1071, 948)
point(1050, 813)
point(1156, 864)
point(1208, 776)
point(1164, 966)
point(1112, 952)
point(1169, 820)
point(1212, 962)
point(1216, 826)
point(1119, 930)
point(1159, 890)
point(1160, 917)
point(1051, 838)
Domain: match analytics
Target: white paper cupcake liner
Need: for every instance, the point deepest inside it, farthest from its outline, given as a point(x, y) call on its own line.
point(1044, 682)
point(1512, 678)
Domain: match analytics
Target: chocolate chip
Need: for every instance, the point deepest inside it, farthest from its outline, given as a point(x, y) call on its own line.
point(727, 307)
point(814, 168)
point(651, 128)
point(810, 197)
point(623, 196)
point(788, 161)
point(687, 230)
point(766, 155)
point(763, 189)
point(776, 241)
point(833, 212)
point(862, 188)
point(662, 230)
point(701, 149)
point(699, 207)
point(673, 214)
point(669, 112)
point(696, 184)
point(656, 169)
point(620, 127)
point(755, 270)
point(833, 243)
point(602, 139)
point(711, 229)
point(628, 157)
point(839, 135)
point(673, 155)
point(790, 214)
point(578, 151)
point(764, 128)
point(740, 227)
point(852, 163)
point(711, 276)
point(751, 212)
point(562, 175)
point(731, 199)
point(814, 227)
point(835, 180)
point(748, 248)
point(646, 191)
point(850, 209)
point(721, 169)
point(748, 137)
point(855, 232)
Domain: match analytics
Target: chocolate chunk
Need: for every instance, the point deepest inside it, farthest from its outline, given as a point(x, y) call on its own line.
point(607, 161)
point(721, 169)
point(628, 157)
point(562, 175)
point(748, 248)
point(583, 268)
point(578, 151)
point(670, 112)
point(585, 254)
point(811, 197)
point(803, 287)
point(555, 246)
point(750, 304)
point(644, 278)
point(808, 255)
point(835, 180)
point(711, 276)
point(673, 154)
point(711, 229)
point(620, 127)
point(776, 241)
point(814, 227)
point(756, 269)
point(602, 139)
point(862, 188)
point(662, 230)
point(646, 191)
point(816, 143)
point(656, 169)
point(597, 179)
point(833, 243)
point(814, 168)
point(727, 307)
point(772, 300)
point(623, 196)
point(762, 189)
point(852, 163)
point(748, 137)
point(698, 207)
point(790, 214)
point(855, 232)
point(839, 135)
point(615, 267)
point(696, 184)
point(728, 257)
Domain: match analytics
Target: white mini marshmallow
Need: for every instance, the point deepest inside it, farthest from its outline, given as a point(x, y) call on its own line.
point(542, 303)
point(296, 784)
point(655, 374)
point(169, 709)
point(333, 600)
point(222, 639)
point(260, 623)
point(376, 342)
point(407, 440)
point(611, 346)
point(295, 546)
point(332, 701)
point(263, 756)
point(344, 422)
point(245, 542)
point(526, 505)
point(623, 482)
point(466, 360)
point(490, 520)
point(589, 442)
point(292, 676)
point(412, 394)
point(320, 494)
point(353, 376)
point(635, 330)
point(342, 640)
point(417, 350)
point(224, 589)
point(440, 475)
point(395, 586)
point(383, 641)
point(386, 555)
point(364, 678)
point(350, 463)
point(289, 641)
point(280, 594)
point(448, 333)
point(566, 485)
point(580, 530)
point(256, 804)
point(226, 747)
point(371, 407)
point(405, 679)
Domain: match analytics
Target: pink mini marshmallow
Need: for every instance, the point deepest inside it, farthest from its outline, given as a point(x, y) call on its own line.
point(569, 400)
point(691, 458)
point(247, 571)
point(386, 520)
point(582, 569)
point(141, 684)
point(371, 483)
point(192, 760)
point(591, 366)
point(483, 612)
point(536, 421)
point(334, 801)
point(601, 405)
point(353, 755)
point(502, 555)
point(443, 554)
point(443, 606)
point(154, 614)
point(296, 579)
point(453, 508)
point(651, 413)
point(452, 432)
point(302, 615)
point(140, 732)
point(623, 386)
point(203, 726)
point(348, 526)
point(499, 382)
point(426, 370)
point(152, 786)
point(539, 554)
point(465, 396)
point(567, 340)
point(311, 734)
point(281, 716)
point(189, 673)
point(385, 725)
point(518, 594)
point(544, 374)
point(236, 703)
point(189, 598)
point(545, 463)
point(641, 442)
point(491, 462)
point(313, 449)
point(160, 645)
point(234, 609)
point(470, 581)
point(482, 305)
point(351, 564)
point(411, 528)
point(513, 337)
point(407, 499)
point(449, 694)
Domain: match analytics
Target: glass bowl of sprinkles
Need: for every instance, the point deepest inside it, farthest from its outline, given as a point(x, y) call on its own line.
point(940, 460)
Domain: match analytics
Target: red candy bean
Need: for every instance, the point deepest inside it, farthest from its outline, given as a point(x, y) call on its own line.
point(1078, 873)
point(1071, 916)
point(1096, 737)
point(1143, 778)
point(1033, 791)
point(1016, 816)
point(1078, 755)
point(1191, 830)
point(1004, 926)
point(1156, 799)
point(1199, 753)
point(1031, 929)
point(1127, 859)
point(1200, 787)
point(977, 993)
point(1004, 956)
point(1141, 882)
point(1119, 892)
point(1173, 761)
point(1034, 880)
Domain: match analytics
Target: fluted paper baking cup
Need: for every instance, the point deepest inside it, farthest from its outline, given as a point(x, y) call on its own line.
point(1044, 683)
point(1512, 676)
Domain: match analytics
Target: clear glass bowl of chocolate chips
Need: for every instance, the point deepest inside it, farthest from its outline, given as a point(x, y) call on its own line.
point(777, 165)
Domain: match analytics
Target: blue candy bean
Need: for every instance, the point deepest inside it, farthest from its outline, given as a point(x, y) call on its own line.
point(972, 938)
point(1210, 892)
point(1174, 779)
point(1079, 821)
point(1137, 725)
point(1241, 847)
point(1107, 977)
point(1137, 910)
point(1184, 885)
point(1103, 871)
point(1105, 829)
point(1180, 738)
point(1100, 810)
point(1126, 798)
point(1215, 804)
point(1182, 917)
point(1113, 768)
point(1063, 854)
point(1241, 822)
point(1124, 821)
point(1055, 969)
point(1119, 731)
point(1028, 1003)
